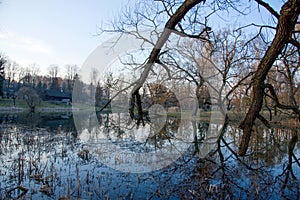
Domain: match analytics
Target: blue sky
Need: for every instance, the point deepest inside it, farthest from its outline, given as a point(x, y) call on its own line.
point(53, 31)
point(63, 32)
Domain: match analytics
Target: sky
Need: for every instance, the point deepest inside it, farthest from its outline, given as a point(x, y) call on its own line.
point(45, 32)
point(53, 31)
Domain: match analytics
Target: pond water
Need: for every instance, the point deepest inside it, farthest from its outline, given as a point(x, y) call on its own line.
point(107, 156)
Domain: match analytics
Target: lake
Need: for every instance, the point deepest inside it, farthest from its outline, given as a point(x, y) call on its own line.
point(109, 156)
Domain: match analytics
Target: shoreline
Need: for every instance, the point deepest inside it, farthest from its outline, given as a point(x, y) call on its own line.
point(15, 109)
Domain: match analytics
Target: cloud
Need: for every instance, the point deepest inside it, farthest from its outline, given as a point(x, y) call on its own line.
point(26, 44)
point(25, 50)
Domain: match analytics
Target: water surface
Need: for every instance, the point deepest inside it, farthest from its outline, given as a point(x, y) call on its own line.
point(45, 156)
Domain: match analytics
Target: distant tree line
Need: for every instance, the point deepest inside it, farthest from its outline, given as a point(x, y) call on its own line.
point(13, 77)
point(28, 84)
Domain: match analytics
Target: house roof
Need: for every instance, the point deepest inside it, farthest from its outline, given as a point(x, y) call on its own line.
point(58, 93)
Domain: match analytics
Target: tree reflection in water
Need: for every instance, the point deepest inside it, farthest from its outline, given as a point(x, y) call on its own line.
point(40, 158)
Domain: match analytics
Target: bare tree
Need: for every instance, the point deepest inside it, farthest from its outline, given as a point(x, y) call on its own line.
point(30, 96)
point(286, 24)
point(11, 71)
point(71, 71)
point(53, 73)
point(29, 74)
point(184, 18)
point(220, 66)
point(53, 70)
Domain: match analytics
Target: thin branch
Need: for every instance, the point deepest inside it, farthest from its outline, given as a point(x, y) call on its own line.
point(278, 104)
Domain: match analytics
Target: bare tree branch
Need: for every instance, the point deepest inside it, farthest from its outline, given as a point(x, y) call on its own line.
point(268, 7)
point(169, 27)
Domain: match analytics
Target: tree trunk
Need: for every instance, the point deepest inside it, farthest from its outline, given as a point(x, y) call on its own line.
point(186, 6)
point(32, 109)
point(286, 23)
point(200, 103)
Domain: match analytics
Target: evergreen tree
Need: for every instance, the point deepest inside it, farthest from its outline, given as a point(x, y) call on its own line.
point(2, 74)
point(98, 95)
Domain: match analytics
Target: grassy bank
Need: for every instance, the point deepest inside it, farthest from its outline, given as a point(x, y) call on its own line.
point(8, 105)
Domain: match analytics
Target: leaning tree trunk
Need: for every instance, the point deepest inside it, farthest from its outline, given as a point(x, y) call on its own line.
point(186, 6)
point(286, 24)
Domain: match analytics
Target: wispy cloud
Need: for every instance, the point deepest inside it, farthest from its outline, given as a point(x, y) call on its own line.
point(25, 44)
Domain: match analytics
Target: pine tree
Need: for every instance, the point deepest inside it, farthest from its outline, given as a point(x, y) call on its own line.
point(2, 74)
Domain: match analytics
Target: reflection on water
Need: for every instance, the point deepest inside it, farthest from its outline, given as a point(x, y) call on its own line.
point(138, 149)
point(46, 156)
